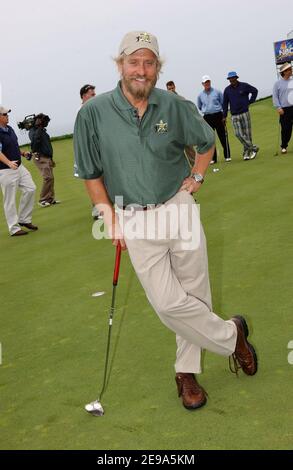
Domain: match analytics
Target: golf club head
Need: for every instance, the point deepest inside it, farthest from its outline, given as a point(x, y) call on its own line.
point(95, 408)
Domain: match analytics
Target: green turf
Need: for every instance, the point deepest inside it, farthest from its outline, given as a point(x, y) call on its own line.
point(53, 333)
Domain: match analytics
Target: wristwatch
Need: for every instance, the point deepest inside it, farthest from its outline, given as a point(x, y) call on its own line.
point(197, 177)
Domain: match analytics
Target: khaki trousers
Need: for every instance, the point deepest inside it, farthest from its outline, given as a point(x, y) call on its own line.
point(45, 166)
point(11, 181)
point(176, 281)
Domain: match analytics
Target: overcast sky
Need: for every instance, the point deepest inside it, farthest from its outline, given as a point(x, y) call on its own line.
point(50, 49)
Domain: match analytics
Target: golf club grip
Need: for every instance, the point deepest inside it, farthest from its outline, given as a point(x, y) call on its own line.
point(117, 264)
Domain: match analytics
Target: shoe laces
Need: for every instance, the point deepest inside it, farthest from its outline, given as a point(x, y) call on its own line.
point(234, 364)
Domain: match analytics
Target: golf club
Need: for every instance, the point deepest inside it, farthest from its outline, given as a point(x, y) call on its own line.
point(278, 140)
point(190, 155)
point(227, 142)
point(95, 408)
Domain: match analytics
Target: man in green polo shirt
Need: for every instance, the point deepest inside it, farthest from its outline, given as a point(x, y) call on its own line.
point(129, 149)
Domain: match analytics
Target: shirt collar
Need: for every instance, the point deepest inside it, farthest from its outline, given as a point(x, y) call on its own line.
point(210, 90)
point(122, 102)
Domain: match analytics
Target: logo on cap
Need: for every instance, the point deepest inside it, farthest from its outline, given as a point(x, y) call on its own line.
point(135, 40)
point(143, 37)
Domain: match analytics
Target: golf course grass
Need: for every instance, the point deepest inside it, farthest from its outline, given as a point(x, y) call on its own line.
point(53, 332)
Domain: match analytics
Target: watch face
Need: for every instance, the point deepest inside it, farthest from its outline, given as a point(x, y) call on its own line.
point(198, 178)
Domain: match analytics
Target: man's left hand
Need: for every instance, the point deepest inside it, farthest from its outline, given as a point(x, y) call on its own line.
point(190, 185)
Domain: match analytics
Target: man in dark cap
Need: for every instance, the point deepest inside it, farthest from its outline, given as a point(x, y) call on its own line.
point(87, 92)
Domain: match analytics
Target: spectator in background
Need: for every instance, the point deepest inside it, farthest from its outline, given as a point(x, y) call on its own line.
point(171, 86)
point(43, 158)
point(236, 95)
point(87, 92)
point(189, 152)
point(14, 175)
point(210, 104)
point(284, 105)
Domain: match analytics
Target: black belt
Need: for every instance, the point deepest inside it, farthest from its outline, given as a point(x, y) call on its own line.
point(138, 207)
point(213, 114)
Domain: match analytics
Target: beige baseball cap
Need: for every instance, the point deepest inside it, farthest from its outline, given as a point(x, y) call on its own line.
point(4, 110)
point(135, 40)
point(285, 66)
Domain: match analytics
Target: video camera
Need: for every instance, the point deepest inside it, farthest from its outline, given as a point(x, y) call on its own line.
point(33, 120)
point(28, 122)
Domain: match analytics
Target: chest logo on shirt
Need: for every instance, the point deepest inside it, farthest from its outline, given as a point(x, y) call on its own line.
point(144, 37)
point(161, 127)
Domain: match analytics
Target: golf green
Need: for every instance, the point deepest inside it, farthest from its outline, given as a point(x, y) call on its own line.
point(53, 333)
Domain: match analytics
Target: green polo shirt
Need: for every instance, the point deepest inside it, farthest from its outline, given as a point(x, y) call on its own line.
point(141, 160)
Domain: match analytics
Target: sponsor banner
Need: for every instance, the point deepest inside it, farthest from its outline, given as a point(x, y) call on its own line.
point(283, 51)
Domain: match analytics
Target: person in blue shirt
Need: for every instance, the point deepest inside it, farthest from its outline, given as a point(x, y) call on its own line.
point(282, 100)
point(239, 95)
point(210, 104)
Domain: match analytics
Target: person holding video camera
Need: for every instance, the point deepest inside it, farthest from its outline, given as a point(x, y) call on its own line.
point(14, 175)
point(43, 158)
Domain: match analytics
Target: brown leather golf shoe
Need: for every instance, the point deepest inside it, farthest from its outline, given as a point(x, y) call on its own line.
point(29, 225)
point(19, 233)
point(193, 395)
point(244, 356)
